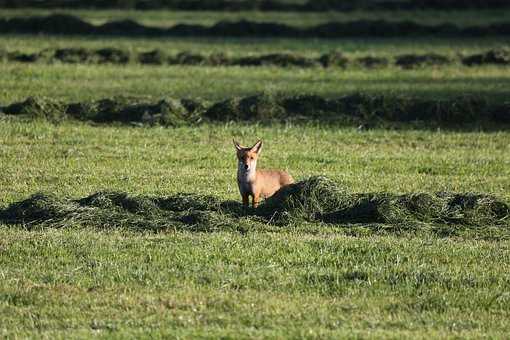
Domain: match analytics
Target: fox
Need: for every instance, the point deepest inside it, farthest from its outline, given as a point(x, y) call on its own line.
point(253, 182)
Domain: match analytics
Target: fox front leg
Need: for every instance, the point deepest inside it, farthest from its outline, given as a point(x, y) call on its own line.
point(256, 200)
point(246, 200)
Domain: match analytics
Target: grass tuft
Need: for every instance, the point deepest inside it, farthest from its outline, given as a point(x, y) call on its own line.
point(38, 107)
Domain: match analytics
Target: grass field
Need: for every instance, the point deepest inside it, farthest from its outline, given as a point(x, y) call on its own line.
point(83, 283)
point(76, 159)
point(254, 46)
point(86, 82)
point(304, 280)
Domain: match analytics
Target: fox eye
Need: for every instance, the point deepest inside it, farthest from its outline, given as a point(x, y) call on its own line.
point(251, 158)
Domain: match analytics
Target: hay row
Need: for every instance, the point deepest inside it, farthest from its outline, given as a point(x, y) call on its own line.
point(68, 24)
point(315, 200)
point(259, 5)
point(355, 109)
point(333, 59)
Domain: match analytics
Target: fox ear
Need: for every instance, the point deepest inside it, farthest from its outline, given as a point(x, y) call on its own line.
point(236, 144)
point(257, 147)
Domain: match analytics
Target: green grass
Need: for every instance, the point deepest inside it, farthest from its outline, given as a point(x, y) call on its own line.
point(259, 285)
point(253, 46)
point(75, 159)
point(80, 82)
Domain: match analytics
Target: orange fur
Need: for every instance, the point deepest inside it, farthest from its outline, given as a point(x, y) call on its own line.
point(257, 183)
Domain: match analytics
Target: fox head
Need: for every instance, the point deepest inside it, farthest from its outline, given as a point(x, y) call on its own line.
point(247, 157)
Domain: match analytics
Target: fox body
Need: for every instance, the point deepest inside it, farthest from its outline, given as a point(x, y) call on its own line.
point(253, 182)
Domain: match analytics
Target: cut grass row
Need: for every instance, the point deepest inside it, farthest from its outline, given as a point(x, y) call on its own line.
point(263, 5)
point(167, 17)
point(111, 55)
point(360, 110)
point(61, 24)
point(316, 203)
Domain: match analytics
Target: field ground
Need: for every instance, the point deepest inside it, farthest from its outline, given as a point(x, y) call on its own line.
point(71, 283)
point(72, 82)
point(62, 283)
point(81, 81)
point(297, 281)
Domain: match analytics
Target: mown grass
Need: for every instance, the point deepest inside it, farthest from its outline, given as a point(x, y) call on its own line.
point(82, 82)
point(75, 159)
point(84, 283)
point(385, 47)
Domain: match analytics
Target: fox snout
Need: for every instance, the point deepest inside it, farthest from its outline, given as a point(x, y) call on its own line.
point(245, 165)
point(247, 162)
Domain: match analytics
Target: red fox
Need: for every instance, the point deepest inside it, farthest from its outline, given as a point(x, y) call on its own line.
point(253, 182)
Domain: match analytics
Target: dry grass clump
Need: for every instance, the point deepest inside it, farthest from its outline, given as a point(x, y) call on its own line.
point(37, 107)
point(110, 210)
point(409, 61)
point(318, 199)
point(499, 56)
point(165, 112)
point(360, 108)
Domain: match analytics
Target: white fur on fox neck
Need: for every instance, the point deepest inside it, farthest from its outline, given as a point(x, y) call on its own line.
point(246, 175)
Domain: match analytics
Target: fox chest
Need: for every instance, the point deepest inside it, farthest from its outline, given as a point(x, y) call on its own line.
point(245, 187)
point(245, 183)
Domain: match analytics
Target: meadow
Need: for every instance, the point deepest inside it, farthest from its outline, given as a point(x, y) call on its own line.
point(299, 280)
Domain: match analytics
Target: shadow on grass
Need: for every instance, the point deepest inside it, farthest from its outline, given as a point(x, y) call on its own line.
point(316, 201)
